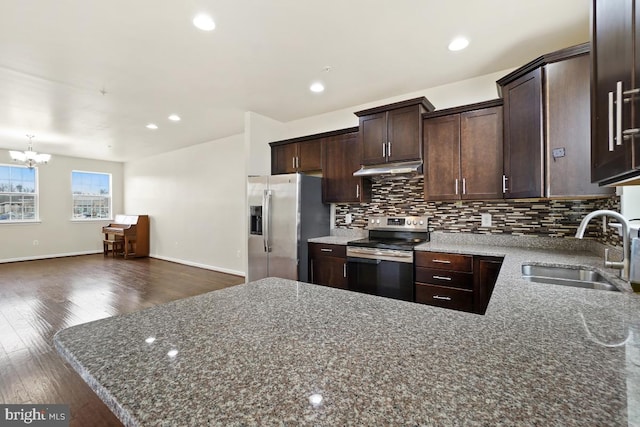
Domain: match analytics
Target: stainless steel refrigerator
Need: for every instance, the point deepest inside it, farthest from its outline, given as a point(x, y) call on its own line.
point(284, 211)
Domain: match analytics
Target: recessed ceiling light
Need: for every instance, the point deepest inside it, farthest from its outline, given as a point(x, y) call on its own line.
point(316, 87)
point(458, 43)
point(152, 126)
point(204, 22)
point(174, 118)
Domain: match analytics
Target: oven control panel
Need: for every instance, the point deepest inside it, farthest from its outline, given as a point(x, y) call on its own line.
point(413, 223)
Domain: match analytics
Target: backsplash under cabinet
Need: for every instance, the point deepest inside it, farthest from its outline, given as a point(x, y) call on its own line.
point(403, 196)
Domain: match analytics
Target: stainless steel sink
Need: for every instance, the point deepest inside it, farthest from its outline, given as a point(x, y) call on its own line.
point(567, 276)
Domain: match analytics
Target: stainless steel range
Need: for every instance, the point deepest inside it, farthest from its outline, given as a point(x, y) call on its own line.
point(382, 264)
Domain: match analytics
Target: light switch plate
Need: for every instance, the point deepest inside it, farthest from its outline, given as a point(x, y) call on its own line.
point(486, 220)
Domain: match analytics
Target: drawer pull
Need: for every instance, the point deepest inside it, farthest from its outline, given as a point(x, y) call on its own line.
point(442, 297)
point(326, 250)
point(442, 261)
point(442, 278)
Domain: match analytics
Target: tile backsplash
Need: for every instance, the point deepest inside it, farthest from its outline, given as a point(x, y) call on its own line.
point(403, 196)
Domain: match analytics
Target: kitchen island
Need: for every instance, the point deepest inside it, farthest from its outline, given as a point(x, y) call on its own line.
point(280, 352)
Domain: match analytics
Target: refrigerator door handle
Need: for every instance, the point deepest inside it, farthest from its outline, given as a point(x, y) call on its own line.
point(266, 218)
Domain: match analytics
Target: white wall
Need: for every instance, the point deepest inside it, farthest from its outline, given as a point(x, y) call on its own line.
point(56, 233)
point(258, 132)
point(464, 92)
point(195, 199)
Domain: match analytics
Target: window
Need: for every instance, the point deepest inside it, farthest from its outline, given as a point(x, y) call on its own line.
point(91, 195)
point(18, 194)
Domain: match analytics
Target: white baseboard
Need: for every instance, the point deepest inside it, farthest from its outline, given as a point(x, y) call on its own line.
point(36, 257)
point(199, 265)
point(176, 260)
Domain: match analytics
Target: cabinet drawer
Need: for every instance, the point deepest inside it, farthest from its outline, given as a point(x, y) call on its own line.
point(454, 279)
point(441, 296)
point(456, 262)
point(321, 249)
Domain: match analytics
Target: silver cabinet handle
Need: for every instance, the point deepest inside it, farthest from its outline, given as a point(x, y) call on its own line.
point(344, 270)
point(293, 162)
point(504, 183)
point(456, 186)
point(464, 186)
point(441, 297)
point(384, 150)
point(619, 113)
point(630, 133)
point(389, 148)
point(311, 270)
point(611, 136)
point(326, 250)
point(442, 278)
point(442, 261)
point(357, 191)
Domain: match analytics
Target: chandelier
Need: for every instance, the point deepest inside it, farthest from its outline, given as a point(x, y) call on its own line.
point(30, 158)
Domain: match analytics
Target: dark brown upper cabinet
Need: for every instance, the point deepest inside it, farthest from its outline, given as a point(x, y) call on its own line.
point(615, 144)
point(463, 152)
point(297, 155)
point(392, 133)
point(547, 127)
point(341, 160)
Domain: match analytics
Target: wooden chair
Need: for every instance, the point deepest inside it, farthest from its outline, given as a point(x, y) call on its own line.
point(115, 246)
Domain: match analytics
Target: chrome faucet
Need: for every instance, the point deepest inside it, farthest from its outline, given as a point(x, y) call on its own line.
point(624, 263)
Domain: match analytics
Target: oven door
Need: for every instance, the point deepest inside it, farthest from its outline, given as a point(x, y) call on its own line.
point(385, 273)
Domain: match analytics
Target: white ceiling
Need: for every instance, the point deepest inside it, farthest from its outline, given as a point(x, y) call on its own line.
point(57, 57)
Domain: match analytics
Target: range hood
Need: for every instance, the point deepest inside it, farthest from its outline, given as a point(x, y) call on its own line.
point(400, 168)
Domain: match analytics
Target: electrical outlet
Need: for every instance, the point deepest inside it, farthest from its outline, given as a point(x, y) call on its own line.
point(238, 253)
point(348, 219)
point(486, 219)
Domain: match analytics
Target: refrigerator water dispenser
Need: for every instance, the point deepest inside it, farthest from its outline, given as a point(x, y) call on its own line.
point(255, 213)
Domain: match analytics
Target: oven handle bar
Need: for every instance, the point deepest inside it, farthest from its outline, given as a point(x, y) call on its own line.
point(364, 260)
point(356, 255)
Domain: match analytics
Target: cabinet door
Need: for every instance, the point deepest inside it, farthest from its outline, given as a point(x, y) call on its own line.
point(635, 99)
point(328, 270)
point(283, 159)
point(310, 155)
point(486, 275)
point(481, 154)
point(442, 158)
point(612, 48)
point(404, 128)
point(523, 136)
point(567, 130)
point(341, 160)
point(373, 131)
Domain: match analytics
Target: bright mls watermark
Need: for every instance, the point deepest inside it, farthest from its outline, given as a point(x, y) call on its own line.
point(34, 415)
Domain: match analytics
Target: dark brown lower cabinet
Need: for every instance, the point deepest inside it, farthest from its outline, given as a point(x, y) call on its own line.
point(486, 270)
point(328, 265)
point(456, 281)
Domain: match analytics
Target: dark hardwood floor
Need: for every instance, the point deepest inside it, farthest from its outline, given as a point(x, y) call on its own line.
point(38, 298)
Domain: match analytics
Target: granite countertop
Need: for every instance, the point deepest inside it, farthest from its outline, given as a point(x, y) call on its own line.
point(333, 240)
point(340, 236)
point(280, 352)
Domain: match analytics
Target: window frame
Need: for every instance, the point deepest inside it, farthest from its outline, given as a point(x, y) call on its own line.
point(109, 217)
point(35, 194)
